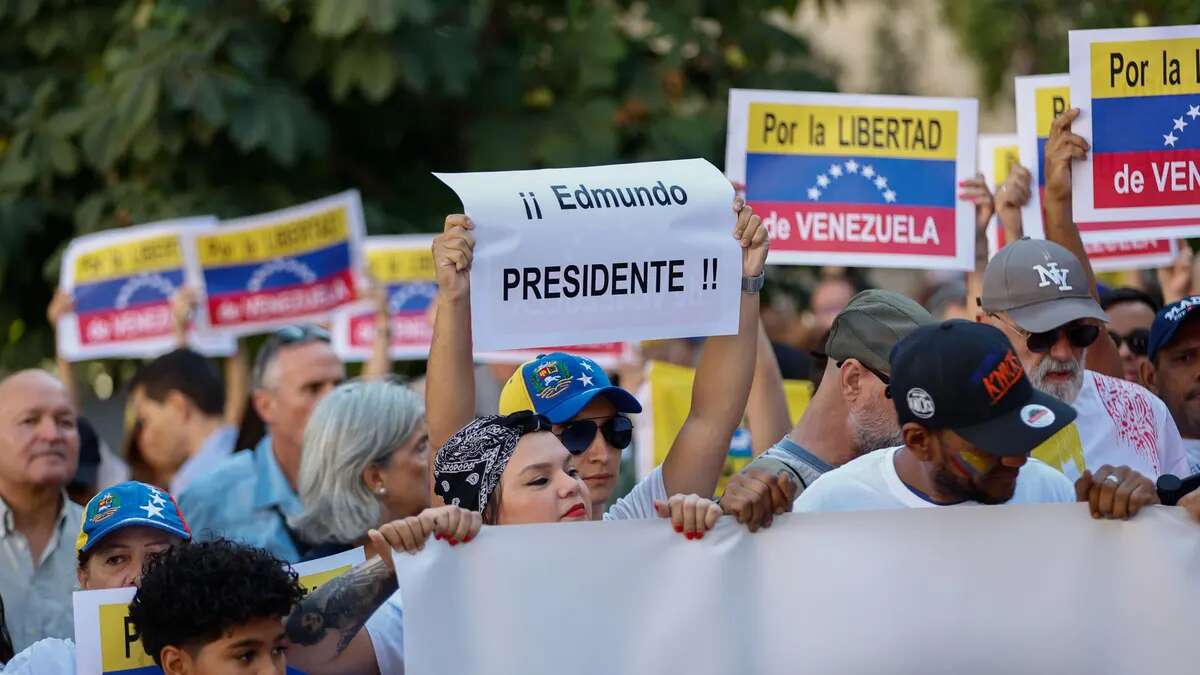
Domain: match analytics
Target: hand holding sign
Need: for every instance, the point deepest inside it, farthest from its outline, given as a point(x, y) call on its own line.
point(453, 251)
point(752, 237)
point(1062, 147)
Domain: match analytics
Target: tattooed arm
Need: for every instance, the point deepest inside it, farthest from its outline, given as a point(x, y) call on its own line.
point(325, 629)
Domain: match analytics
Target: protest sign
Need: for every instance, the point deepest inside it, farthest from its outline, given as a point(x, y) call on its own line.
point(1109, 256)
point(121, 282)
point(844, 179)
point(403, 266)
point(600, 254)
point(1138, 90)
point(280, 268)
point(997, 154)
point(608, 355)
point(1061, 592)
point(104, 635)
point(665, 406)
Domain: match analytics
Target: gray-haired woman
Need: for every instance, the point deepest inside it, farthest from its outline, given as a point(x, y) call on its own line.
point(365, 463)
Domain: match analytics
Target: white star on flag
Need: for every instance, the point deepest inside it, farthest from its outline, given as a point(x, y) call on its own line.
point(868, 171)
point(823, 180)
point(852, 166)
point(1169, 139)
point(814, 194)
point(585, 366)
point(586, 380)
point(157, 497)
point(889, 196)
point(1193, 111)
point(152, 511)
point(881, 182)
point(836, 170)
point(1179, 123)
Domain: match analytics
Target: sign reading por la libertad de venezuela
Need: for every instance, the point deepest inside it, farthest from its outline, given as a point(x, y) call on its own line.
point(856, 180)
point(601, 254)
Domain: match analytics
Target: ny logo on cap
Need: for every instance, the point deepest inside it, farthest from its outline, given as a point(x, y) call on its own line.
point(1051, 274)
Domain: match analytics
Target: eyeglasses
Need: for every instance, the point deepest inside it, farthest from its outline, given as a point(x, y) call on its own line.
point(1079, 334)
point(1138, 340)
point(887, 381)
point(577, 435)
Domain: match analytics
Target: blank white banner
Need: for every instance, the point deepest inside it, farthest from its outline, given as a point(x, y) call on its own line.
point(1002, 589)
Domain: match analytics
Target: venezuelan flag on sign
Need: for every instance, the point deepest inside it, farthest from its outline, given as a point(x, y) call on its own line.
point(854, 179)
point(279, 269)
point(122, 291)
point(407, 273)
point(1146, 119)
point(1049, 103)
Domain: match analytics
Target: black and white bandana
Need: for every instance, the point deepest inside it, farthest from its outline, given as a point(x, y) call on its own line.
point(468, 467)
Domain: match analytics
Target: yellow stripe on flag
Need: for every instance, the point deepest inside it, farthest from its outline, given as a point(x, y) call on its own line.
point(904, 133)
point(1003, 157)
point(287, 238)
point(1145, 68)
point(140, 256)
point(671, 400)
point(312, 581)
point(1050, 102)
point(395, 265)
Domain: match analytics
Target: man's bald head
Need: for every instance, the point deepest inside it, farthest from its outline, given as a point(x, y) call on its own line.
point(39, 444)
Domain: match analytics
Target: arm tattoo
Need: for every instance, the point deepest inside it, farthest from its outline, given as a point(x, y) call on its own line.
point(343, 605)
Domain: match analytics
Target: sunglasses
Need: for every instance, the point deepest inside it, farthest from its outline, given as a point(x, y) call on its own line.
point(887, 381)
point(577, 435)
point(1079, 334)
point(288, 335)
point(1138, 340)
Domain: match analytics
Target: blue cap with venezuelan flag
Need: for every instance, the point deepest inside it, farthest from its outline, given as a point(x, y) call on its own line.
point(127, 504)
point(559, 385)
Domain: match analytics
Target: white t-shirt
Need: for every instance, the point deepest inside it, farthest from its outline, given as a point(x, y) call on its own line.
point(870, 482)
point(51, 656)
point(1118, 423)
point(385, 627)
point(639, 503)
point(1192, 447)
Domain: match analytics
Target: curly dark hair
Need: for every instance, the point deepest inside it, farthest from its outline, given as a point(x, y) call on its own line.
point(191, 594)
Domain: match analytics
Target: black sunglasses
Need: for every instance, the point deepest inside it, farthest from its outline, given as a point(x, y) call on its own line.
point(1138, 340)
point(577, 435)
point(1080, 335)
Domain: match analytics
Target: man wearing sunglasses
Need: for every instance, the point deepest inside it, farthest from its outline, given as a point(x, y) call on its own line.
point(249, 496)
point(1172, 370)
point(1037, 292)
point(1130, 313)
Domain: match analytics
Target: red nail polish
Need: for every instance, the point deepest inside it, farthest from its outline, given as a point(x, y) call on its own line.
point(466, 538)
point(679, 528)
point(699, 535)
point(688, 535)
point(437, 536)
point(454, 542)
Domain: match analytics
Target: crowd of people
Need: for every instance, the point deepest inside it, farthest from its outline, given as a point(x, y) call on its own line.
point(1016, 388)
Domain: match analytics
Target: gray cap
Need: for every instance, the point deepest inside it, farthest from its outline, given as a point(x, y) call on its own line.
point(871, 324)
point(1040, 284)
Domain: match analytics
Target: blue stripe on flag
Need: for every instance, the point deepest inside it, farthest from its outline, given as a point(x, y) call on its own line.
point(1140, 123)
point(791, 178)
point(279, 273)
point(137, 289)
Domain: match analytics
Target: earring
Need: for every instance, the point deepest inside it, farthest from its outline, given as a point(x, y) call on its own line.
point(381, 491)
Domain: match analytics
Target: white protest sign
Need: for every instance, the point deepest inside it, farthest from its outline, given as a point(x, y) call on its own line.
point(845, 179)
point(1138, 90)
point(997, 154)
point(1004, 589)
point(313, 573)
point(600, 254)
point(289, 266)
point(121, 282)
point(1040, 98)
point(1115, 256)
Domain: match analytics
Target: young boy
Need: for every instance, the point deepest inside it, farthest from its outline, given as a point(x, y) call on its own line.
point(215, 607)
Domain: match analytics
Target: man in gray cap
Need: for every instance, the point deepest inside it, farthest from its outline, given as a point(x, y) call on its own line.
point(1038, 293)
point(849, 414)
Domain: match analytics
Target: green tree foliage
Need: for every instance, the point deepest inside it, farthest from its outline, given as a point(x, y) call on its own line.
point(1029, 37)
point(114, 112)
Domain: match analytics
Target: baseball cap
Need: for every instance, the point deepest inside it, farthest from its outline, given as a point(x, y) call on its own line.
point(126, 504)
point(1167, 323)
point(965, 376)
point(1040, 284)
point(871, 325)
point(559, 385)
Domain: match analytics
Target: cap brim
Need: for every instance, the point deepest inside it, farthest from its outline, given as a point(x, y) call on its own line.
point(623, 400)
point(96, 537)
point(1010, 435)
point(1043, 316)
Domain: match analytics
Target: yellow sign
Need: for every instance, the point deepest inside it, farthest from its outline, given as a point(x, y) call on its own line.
point(141, 256)
point(1003, 157)
point(290, 238)
point(904, 133)
point(311, 582)
point(671, 400)
point(1145, 68)
point(397, 265)
point(118, 648)
point(1050, 102)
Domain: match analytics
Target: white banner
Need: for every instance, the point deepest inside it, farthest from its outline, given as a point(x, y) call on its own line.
point(981, 590)
point(601, 254)
point(121, 282)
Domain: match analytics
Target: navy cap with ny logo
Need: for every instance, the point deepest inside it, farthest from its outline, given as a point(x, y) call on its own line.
point(1040, 284)
point(966, 377)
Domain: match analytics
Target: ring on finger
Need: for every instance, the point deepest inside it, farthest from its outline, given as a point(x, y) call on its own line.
point(1112, 478)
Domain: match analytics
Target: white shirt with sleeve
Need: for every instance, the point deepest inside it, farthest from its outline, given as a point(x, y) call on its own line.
point(870, 482)
point(639, 503)
point(51, 656)
point(385, 627)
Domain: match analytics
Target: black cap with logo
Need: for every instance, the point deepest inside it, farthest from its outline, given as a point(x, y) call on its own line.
point(965, 376)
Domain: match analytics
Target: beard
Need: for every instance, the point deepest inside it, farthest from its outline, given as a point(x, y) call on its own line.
point(1066, 391)
point(874, 429)
point(952, 485)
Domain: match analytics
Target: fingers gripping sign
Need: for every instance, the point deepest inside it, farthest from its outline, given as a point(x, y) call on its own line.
point(453, 251)
point(754, 497)
point(691, 515)
point(1115, 492)
point(408, 535)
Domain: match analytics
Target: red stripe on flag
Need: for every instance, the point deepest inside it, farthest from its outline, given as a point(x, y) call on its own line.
point(409, 329)
point(132, 323)
point(297, 300)
point(1154, 178)
point(855, 228)
point(1125, 249)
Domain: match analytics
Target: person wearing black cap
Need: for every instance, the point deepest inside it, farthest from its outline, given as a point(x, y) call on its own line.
point(969, 417)
point(1172, 370)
